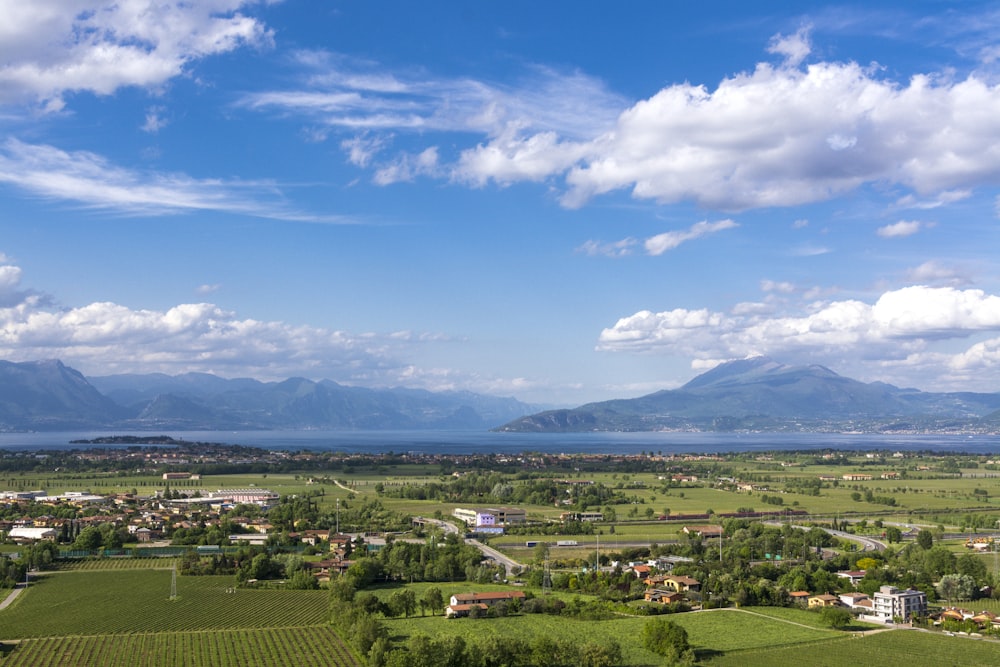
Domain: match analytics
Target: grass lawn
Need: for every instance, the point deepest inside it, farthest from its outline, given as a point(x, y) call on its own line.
point(711, 633)
point(889, 648)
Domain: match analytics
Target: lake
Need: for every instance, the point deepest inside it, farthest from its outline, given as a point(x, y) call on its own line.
point(481, 442)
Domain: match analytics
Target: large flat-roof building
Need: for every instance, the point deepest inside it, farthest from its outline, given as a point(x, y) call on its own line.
point(890, 603)
point(490, 516)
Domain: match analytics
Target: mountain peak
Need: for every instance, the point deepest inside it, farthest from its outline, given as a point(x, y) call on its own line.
point(736, 370)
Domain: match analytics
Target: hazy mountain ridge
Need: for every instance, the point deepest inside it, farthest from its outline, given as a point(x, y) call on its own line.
point(748, 395)
point(47, 395)
point(763, 395)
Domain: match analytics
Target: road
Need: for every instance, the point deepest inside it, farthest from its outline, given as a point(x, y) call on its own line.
point(867, 543)
point(512, 566)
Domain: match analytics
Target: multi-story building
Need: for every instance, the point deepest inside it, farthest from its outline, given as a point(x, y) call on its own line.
point(489, 517)
point(890, 603)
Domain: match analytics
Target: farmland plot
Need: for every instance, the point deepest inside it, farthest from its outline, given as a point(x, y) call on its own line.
point(302, 647)
point(137, 601)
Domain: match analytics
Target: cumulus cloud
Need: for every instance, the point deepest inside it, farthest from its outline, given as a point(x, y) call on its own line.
point(186, 337)
point(841, 126)
point(49, 49)
point(901, 229)
point(902, 328)
point(789, 134)
point(108, 338)
point(92, 181)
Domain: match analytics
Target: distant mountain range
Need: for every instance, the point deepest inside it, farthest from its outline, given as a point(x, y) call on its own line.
point(47, 395)
point(763, 395)
point(757, 394)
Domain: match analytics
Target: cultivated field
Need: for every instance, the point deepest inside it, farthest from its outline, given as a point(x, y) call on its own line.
point(137, 601)
point(306, 647)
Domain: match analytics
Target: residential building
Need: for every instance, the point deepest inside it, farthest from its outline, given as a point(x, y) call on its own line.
point(824, 600)
point(461, 604)
point(854, 576)
point(680, 583)
point(890, 603)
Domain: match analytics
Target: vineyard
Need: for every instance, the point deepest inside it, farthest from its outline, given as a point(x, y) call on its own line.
point(304, 647)
point(137, 601)
point(93, 564)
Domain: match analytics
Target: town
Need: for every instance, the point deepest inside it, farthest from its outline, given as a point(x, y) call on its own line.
point(858, 542)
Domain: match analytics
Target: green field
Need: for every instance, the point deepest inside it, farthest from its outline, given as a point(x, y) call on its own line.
point(303, 647)
point(890, 648)
point(710, 633)
point(137, 601)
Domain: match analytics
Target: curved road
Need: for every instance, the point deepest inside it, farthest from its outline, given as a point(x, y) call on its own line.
point(867, 543)
point(513, 567)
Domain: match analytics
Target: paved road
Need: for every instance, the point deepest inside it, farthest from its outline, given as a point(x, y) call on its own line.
point(13, 595)
point(513, 567)
point(867, 543)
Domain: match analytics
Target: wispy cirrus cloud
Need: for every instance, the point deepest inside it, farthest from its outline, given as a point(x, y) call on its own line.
point(90, 180)
point(352, 94)
point(658, 244)
point(661, 243)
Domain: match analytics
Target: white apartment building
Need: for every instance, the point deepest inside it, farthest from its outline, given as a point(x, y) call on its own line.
point(890, 602)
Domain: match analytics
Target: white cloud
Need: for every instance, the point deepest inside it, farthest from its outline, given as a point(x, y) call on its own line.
point(361, 150)
point(106, 338)
point(208, 288)
point(842, 126)
point(659, 244)
point(776, 135)
point(186, 337)
point(350, 94)
point(655, 245)
point(901, 229)
point(794, 48)
point(407, 167)
point(621, 248)
point(777, 286)
point(903, 328)
point(52, 48)
point(154, 120)
point(90, 180)
point(935, 273)
point(938, 200)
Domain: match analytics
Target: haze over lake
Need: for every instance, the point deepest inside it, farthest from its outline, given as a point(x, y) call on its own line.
point(483, 442)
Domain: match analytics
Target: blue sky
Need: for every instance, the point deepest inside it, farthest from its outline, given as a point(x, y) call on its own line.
point(561, 202)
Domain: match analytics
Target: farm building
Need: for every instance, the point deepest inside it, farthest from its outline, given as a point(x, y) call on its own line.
point(461, 604)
